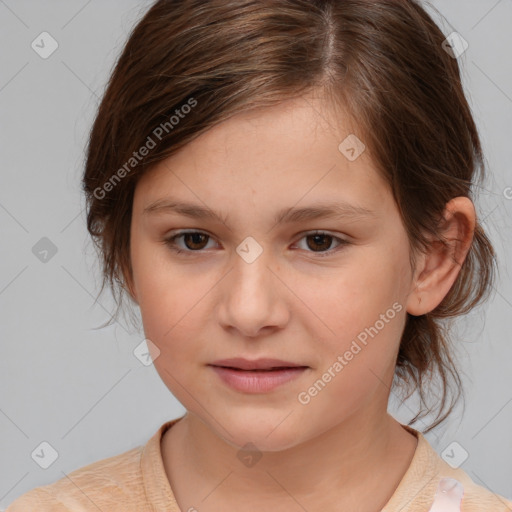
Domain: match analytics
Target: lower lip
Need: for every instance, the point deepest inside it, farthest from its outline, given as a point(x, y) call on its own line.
point(257, 381)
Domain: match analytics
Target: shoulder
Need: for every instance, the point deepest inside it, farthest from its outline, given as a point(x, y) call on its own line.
point(114, 483)
point(475, 497)
point(430, 481)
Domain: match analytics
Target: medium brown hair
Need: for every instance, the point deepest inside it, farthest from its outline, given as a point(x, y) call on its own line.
point(382, 62)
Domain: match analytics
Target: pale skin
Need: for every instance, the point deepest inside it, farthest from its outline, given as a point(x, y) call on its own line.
point(342, 450)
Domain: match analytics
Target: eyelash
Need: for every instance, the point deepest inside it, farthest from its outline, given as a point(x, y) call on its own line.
point(171, 244)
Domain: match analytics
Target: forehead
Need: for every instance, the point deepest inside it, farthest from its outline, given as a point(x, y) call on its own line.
point(285, 154)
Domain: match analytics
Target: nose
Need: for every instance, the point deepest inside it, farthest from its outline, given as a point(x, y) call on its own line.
point(253, 298)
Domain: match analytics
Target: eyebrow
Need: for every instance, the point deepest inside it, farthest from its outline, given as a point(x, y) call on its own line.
point(338, 210)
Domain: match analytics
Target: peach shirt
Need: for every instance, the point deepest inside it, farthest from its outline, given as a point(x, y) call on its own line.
point(135, 481)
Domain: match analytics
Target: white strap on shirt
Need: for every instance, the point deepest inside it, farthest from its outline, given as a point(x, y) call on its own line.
point(448, 496)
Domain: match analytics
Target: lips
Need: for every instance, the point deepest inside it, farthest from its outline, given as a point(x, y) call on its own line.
point(259, 376)
point(263, 364)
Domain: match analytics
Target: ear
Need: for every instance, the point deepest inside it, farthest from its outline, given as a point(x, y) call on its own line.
point(438, 268)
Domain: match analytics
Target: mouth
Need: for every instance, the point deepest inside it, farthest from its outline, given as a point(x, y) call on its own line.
point(261, 376)
point(262, 370)
point(262, 364)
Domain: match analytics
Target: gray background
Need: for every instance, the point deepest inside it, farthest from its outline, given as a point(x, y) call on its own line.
point(83, 390)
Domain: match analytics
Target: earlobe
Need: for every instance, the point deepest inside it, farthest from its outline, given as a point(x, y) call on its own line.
point(439, 267)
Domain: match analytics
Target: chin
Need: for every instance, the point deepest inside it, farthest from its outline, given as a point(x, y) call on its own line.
point(266, 434)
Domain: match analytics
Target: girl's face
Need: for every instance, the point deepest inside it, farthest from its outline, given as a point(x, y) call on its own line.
point(249, 286)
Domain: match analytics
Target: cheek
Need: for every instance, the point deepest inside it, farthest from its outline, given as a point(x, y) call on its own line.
point(172, 323)
point(175, 305)
point(170, 313)
point(167, 300)
point(358, 309)
point(356, 327)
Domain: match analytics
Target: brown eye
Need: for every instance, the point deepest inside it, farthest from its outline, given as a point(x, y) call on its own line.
point(320, 242)
point(193, 241)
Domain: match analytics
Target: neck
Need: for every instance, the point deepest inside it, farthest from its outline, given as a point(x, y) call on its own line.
point(365, 452)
